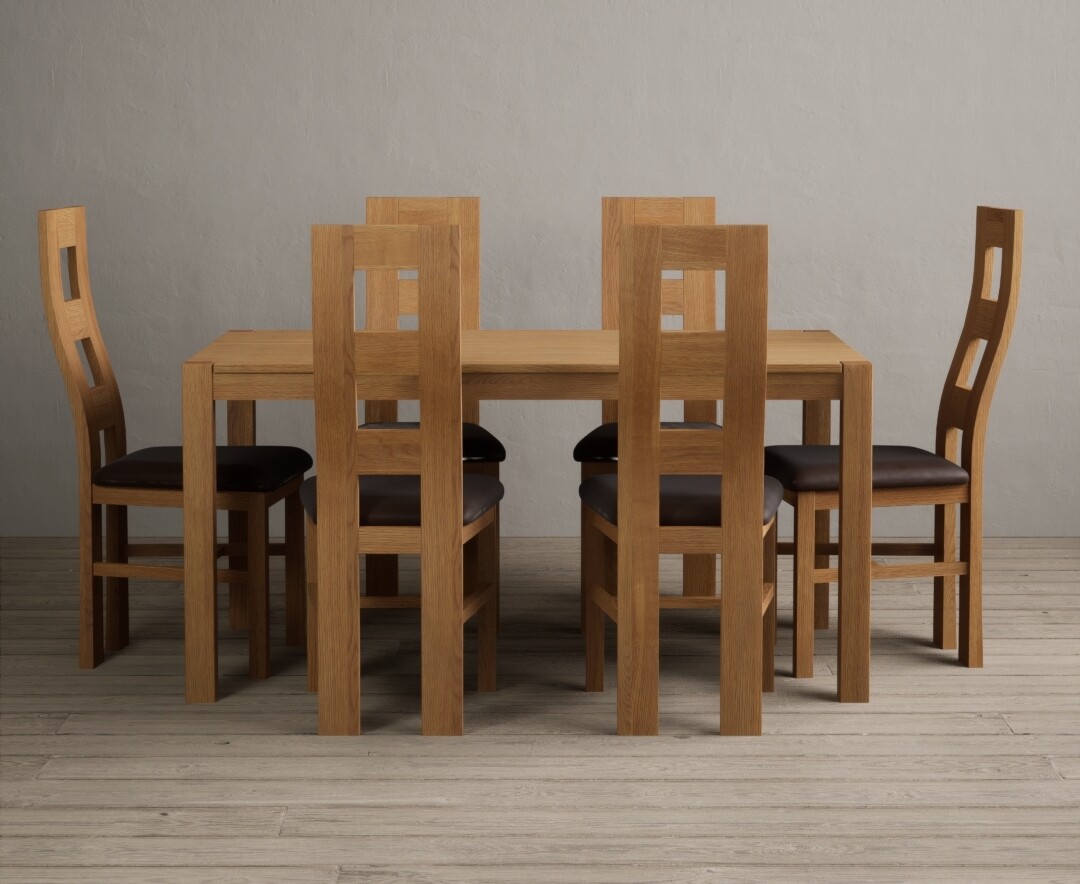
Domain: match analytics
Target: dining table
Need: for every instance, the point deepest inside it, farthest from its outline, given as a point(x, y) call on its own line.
point(811, 366)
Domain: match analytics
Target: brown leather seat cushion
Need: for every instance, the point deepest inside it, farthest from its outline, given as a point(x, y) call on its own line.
point(245, 468)
point(692, 501)
point(817, 467)
point(477, 444)
point(394, 501)
point(602, 444)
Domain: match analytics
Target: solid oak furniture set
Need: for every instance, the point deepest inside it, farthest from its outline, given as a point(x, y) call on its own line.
point(387, 487)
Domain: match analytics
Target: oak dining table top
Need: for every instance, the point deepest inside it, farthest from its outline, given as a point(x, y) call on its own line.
point(517, 351)
point(813, 366)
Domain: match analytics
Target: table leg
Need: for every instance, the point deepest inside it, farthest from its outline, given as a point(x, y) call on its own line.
point(241, 427)
point(817, 430)
point(856, 435)
point(200, 540)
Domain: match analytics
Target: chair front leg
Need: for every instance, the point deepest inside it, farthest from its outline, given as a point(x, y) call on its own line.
point(817, 430)
point(238, 600)
point(945, 587)
point(116, 588)
point(768, 620)
point(490, 469)
point(487, 618)
point(91, 608)
point(295, 607)
point(971, 616)
point(594, 553)
point(588, 470)
point(802, 651)
point(258, 589)
point(821, 590)
point(312, 569)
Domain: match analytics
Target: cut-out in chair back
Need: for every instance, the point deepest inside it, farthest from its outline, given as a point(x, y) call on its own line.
point(84, 362)
point(728, 365)
point(389, 296)
point(984, 339)
point(693, 297)
point(423, 364)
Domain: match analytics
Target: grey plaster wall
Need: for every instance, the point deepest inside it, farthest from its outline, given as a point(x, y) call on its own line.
point(205, 138)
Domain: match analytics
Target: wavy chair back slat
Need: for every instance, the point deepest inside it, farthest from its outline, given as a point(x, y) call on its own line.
point(73, 326)
point(988, 325)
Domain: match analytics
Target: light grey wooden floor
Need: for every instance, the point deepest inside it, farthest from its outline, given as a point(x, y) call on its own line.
point(947, 774)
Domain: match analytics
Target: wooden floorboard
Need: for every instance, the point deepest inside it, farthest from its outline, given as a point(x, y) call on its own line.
point(947, 774)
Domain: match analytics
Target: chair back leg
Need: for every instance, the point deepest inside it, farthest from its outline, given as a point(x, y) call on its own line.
point(945, 586)
point(312, 606)
point(971, 552)
point(804, 596)
point(258, 590)
point(238, 600)
point(295, 607)
point(116, 588)
point(768, 620)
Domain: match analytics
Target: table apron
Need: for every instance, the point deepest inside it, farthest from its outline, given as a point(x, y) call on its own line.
point(499, 386)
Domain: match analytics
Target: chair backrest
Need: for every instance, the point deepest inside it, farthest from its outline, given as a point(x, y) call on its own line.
point(969, 386)
point(693, 297)
point(73, 326)
point(728, 365)
point(390, 297)
point(350, 365)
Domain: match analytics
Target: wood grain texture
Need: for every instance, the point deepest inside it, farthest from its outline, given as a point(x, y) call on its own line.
point(693, 298)
point(389, 297)
point(817, 430)
point(515, 364)
point(638, 549)
point(741, 565)
point(342, 359)
point(853, 614)
point(258, 619)
point(241, 429)
point(282, 359)
point(441, 581)
point(646, 354)
point(333, 324)
point(200, 587)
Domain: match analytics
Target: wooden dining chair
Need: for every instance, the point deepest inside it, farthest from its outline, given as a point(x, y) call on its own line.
point(250, 479)
point(398, 490)
point(700, 491)
point(950, 476)
point(390, 297)
point(693, 299)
